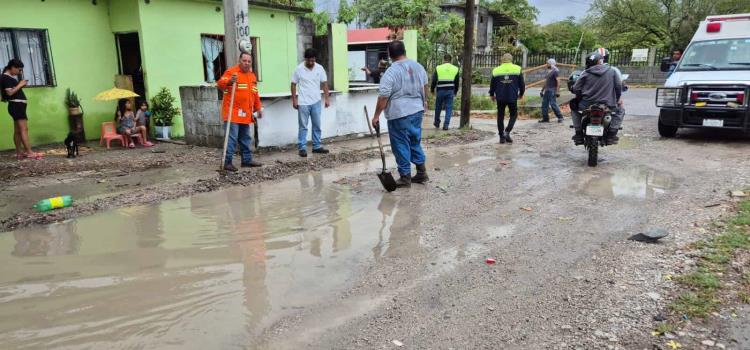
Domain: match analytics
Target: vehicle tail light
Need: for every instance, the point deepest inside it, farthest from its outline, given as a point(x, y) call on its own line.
point(741, 98)
point(713, 27)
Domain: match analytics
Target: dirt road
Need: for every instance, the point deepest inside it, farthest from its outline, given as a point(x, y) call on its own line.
point(327, 260)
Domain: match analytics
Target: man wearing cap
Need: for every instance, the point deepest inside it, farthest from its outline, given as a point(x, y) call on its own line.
point(445, 82)
point(550, 92)
point(246, 102)
point(506, 88)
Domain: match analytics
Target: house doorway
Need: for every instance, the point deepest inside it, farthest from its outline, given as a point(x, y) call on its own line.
point(129, 57)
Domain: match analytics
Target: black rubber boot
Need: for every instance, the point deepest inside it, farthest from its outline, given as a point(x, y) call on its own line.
point(404, 181)
point(507, 137)
point(578, 138)
point(612, 138)
point(502, 138)
point(421, 176)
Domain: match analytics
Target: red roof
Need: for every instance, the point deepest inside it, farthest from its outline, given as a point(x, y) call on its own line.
point(364, 36)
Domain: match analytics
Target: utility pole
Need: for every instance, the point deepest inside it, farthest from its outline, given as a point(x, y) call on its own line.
point(236, 30)
point(467, 61)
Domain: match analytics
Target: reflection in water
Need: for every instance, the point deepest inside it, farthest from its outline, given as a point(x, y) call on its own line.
point(638, 183)
point(211, 271)
point(57, 239)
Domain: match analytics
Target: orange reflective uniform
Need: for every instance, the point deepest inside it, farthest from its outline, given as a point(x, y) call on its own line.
point(246, 98)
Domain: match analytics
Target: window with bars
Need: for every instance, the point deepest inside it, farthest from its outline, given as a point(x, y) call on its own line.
point(214, 63)
point(31, 46)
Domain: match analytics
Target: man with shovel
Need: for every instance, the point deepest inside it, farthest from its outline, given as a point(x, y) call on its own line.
point(403, 97)
point(238, 104)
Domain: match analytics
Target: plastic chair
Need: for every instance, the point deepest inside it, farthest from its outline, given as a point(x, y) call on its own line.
point(109, 133)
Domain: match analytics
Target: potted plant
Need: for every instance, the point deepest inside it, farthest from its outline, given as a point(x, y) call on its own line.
point(75, 115)
point(163, 111)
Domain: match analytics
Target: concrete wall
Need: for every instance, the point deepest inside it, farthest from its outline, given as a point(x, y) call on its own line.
point(345, 116)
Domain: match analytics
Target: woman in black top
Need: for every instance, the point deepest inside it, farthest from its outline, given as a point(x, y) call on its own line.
point(12, 93)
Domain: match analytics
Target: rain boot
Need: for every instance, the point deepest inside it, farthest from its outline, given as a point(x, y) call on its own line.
point(502, 138)
point(404, 181)
point(421, 176)
point(578, 138)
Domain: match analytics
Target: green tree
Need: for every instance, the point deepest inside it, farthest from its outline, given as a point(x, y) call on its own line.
point(321, 19)
point(644, 23)
point(444, 35)
point(398, 13)
point(567, 34)
point(347, 13)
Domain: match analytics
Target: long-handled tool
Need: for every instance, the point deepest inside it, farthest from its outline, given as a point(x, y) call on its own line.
point(229, 125)
point(389, 183)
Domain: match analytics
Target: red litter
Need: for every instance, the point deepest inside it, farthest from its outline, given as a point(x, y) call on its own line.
point(490, 261)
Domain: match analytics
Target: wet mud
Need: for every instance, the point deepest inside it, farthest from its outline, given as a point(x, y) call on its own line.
point(194, 164)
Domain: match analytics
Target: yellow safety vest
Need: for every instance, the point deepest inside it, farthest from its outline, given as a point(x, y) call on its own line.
point(446, 74)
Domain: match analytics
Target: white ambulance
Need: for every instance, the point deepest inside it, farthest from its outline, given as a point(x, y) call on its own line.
point(710, 85)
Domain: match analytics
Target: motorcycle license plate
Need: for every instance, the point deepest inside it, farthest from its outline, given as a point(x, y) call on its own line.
point(713, 122)
point(595, 130)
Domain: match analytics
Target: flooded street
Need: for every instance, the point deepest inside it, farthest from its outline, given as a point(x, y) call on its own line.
point(328, 260)
point(156, 276)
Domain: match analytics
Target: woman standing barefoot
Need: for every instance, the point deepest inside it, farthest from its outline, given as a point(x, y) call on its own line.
point(12, 93)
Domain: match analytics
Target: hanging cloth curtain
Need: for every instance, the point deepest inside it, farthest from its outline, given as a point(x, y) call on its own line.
point(211, 49)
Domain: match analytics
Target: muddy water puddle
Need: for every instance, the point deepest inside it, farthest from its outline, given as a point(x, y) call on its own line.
point(633, 183)
point(211, 271)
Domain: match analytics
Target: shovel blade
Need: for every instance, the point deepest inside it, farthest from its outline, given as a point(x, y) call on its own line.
point(389, 183)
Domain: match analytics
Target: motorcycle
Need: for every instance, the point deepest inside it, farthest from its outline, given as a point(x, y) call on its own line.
point(595, 121)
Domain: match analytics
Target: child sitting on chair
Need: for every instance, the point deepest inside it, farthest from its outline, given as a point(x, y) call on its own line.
point(126, 124)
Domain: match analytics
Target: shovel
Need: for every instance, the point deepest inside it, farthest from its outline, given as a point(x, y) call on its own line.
point(226, 134)
point(389, 183)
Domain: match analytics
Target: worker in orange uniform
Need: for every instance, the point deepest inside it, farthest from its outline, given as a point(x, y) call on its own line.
point(246, 102)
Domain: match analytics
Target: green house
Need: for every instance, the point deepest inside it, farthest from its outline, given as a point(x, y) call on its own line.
point(87, 45)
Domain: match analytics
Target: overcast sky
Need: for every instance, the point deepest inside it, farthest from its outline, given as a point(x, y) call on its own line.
point(555, 10)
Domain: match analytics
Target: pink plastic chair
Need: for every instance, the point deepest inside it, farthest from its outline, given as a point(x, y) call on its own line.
point(109, 133)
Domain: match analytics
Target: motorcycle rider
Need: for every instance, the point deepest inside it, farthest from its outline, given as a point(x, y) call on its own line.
point(599, 83)
point(618, 114)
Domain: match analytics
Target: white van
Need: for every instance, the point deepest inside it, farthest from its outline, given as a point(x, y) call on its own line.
point(711, 83)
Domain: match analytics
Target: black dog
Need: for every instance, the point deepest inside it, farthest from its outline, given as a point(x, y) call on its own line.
point(72, 145)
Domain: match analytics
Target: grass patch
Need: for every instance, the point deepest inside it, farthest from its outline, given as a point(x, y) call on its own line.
point(700, 280)
point(665, 327)
point(694, 304)
point(483, 102)
point(716, 258)
point(716, 254)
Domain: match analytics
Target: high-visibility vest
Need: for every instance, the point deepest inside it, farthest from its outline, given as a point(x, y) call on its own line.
point(446, 74)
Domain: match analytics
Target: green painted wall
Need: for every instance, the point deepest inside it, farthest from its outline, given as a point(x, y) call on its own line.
point(340, 57)
point(171, 45)
point(410, 41)
point(85, 59)
point(124, 16)
point(85, 54)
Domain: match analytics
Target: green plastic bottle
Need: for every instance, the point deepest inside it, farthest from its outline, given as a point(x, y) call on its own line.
point(53, 203)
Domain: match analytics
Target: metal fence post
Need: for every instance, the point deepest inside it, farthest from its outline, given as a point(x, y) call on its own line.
point(525, 61)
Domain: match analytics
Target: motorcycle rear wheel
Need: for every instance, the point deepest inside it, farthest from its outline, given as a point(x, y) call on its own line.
point(593, 152)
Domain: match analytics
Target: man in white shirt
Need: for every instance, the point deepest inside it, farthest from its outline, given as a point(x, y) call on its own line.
point(307, 80)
